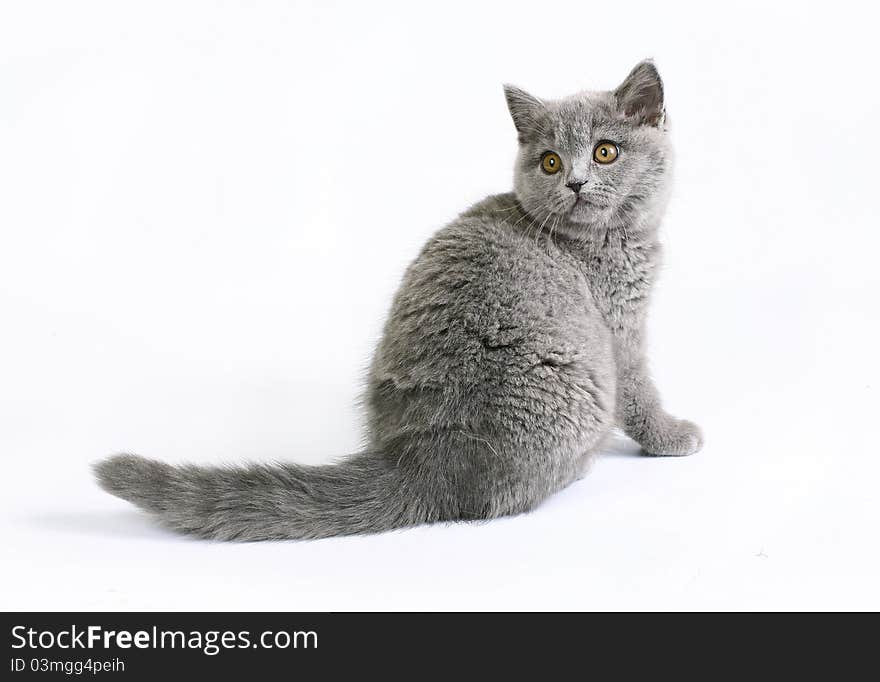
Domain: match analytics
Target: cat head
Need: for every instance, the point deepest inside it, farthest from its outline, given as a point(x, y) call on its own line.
point(593, 159)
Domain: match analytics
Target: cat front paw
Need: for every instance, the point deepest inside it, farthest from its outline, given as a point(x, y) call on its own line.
point(675, 438)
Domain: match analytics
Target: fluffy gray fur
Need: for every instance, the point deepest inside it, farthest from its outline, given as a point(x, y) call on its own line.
point(514, 344)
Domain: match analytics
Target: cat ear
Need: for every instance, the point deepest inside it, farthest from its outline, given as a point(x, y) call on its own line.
point(526, 111)
point(640, 96)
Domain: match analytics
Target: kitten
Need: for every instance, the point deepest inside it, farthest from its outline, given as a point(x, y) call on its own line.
point(514, 344)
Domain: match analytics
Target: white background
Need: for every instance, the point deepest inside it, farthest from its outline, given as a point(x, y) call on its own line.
point(206, 207)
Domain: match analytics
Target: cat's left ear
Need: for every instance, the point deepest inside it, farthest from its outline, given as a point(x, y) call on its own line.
point(640, 96)
point(527, 112)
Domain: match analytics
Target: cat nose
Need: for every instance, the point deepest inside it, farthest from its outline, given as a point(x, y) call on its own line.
point(575, 186)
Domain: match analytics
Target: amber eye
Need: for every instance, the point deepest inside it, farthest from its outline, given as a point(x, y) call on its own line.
point(605, 152)
point(551, 163)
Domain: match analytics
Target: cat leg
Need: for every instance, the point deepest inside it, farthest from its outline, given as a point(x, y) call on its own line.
point(643, 419)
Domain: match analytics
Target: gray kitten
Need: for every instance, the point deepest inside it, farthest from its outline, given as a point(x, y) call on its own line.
point(514, 344)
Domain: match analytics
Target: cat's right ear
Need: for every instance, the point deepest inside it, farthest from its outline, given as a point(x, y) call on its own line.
point(527, 112)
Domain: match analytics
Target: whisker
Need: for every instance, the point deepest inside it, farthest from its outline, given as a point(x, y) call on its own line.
point(540, 229)
point(522, 217)
point(553, 227)
point(538, 232)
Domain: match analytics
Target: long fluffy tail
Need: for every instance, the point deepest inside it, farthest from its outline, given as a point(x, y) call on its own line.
point(365, 494)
